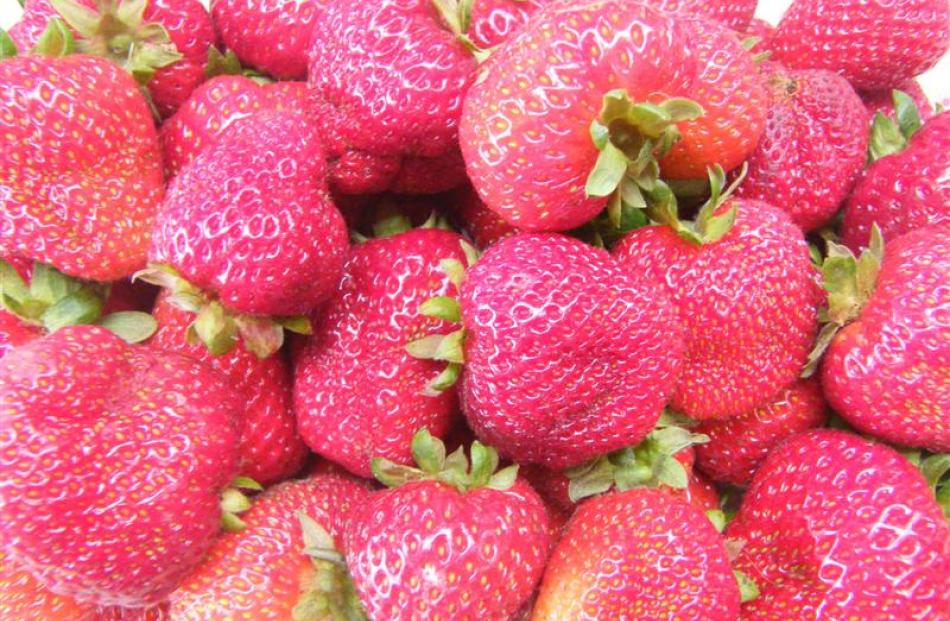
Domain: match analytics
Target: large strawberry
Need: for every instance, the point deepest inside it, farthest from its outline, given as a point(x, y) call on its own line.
point(112, 460)
point(836, 527)
point(248, 235)
point(748, 295)
point(886, 371)
point(358, 393)
point(738, 445)
point(814, 146)
point(614, 105)
point(262, 572)
point(447, 541)
point(874, 45)
point(639, 554)
point(162, 43)
point(903, 190)
point(81, 172)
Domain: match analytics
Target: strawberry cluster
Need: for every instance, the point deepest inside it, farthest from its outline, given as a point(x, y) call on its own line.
point(466, 310)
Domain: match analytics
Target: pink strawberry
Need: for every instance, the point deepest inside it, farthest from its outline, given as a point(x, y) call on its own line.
point(883, 100)
point(735, 14)
point(836, 527)
point(738, 445)
point(248, 235)
point(639, 554)
point(749, 299)
point(814, 146)
point(874, 45)
point(358, 393)
point(905, 190)
point(82, 167)
point(112, 461)
point(448, 541)
point(270, 448)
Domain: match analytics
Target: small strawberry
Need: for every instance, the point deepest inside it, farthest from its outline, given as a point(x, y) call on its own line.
point(883, 100)
point(836, 527)
point(248, 237)
point(81, 169)
point(738, 445)
point(262, 573)
point(639, 554)
point(111, 464)
point(814, 146)
point(874, 45)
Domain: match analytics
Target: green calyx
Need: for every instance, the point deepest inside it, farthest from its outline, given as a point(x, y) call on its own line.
point(228, 64)
point(454, 469)
point(234, 501)
point(327, 593)
point(56, 40)
point(7, 46)
point(888, 136)
point(849, 281)
point(748, 589)
point(936, 470)
point(392, 224)
point(218, 327)
point(117, 31)
point(53, 300)
point(649, 464)
point(710, 224)
point(457, 16)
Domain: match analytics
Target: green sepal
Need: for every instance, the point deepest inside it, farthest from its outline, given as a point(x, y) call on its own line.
point(718, 519)
point(55, 41)
point(610, 168)
point(130, 326)
point(243, 482)
point(888, 136)
point(328, 593)
point(7, 46)
point(935, 469)
point(234, 501)
point(215, 328)
point(231, 523)
point(298, 324)
point(906, 113)
point(748, 589)
point(444, 380)
point(442, 307)
point(222, 64)
point(81, 307)
point(262, 336)
point(392, 225)
point(457, 16)
point(446, 347)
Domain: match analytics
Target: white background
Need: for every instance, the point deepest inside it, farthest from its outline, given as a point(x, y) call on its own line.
point(936, 82)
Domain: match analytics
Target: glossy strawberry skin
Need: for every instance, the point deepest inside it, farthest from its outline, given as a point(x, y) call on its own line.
point(270, 448)
point(886, 373)
point(427, 551)
point(749, 302)
point(250, 221)
point(75, 181)
point(738, 445)
point(215, 106)
point(836, 527)
point(567, 355)
point(358, 393)
point(903, 191)
point(258, 572)
point(874, 45)
point(735, 14)
point(814, 146)
point(639, 554)
point(134, 447)
point(480, 223)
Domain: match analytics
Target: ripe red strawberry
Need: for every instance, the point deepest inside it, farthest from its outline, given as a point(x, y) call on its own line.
point(527, 135)
point(262, 573)
point(883, 100)
point(359, 345)
point(165, 46)
point(111, 464)
point(738, 445)
point(836, 527)
point(874, 45)
point(248, 232)
point(639, 554)
point(886, 372)
point(81, 169)
point(749, 301)
point(447, 542)
point(814, 146)
point(270, 448)
point(215, 106)
point(903, 191)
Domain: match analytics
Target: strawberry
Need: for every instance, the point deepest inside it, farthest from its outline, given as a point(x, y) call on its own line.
point(359, 345)
point(759, 28)
point(738, 445)
point(747, 293)
point(262, 572)
point(836, 527)
point(216, 105)
point(270, 448)
point(883, 100)
point(874, 45)
point(162, 43)
point(639, 554)
point(78, 175)
point(814, 146)
point(248, 236)
point(735, 14)
point(113, 459)
point(623, 71)
point(904, 190)
point(893, 336)
point(447, 541)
